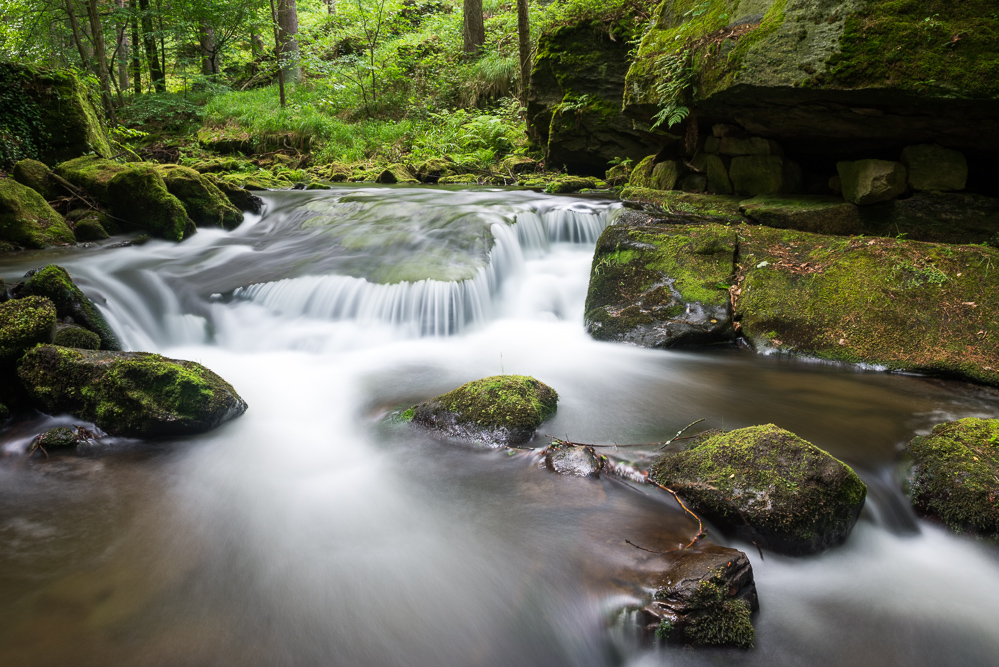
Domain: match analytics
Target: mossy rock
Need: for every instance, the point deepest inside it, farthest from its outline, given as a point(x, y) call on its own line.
point(92, 174)
point(90, 228)
point(204, 202)
point(518, 164)
point(434, 169)
point(809, 213)
point(897, 305)
point(706, 597)
point(333, 172)
point(567, 184)
point(955, 476)
point(71, 335)
point(459, 179)
point(35, 175)
point(661, 285)
point(261, 179)
point(708, 207)
point(25, 323)
point(54, 439)
point(766, 485)
point(238, 196)
point(652, 175)
point(219, 165)
point(139, 196)
point(54, 283)
point(27, 220)
point(131, 394)
point(497, 410)
point(396, 173)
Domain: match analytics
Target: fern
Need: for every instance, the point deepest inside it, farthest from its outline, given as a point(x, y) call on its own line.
point(674, 78)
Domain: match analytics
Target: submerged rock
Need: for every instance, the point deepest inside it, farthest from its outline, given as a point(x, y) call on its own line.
point(706, 597)
point(660, 285)
point(27, 220)
point(54, 439)
point(955, 476)
point(53, 283)
point(577, 460)
point(133, 394)
point(502, 410)
point(766, 485)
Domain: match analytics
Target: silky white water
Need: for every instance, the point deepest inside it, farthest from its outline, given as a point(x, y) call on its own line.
point(312, 531)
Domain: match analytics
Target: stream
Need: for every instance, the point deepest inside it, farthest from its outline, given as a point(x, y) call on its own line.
point(314, 531)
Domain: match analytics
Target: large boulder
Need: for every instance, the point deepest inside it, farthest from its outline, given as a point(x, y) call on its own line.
point(133, 394)
point(834, 77)
point(35, 175)
point(574, 101)
point(92, 174)
point(933, 167)
point(955, 476)
point(811, 213)
point(655, 175)
point(140, 197)
point(204, 202)
point(705, 597)
point(659, 285)
point(497, 410)
point(47, 115)
point(899, 305)
point(54, 283)
point(27, 220)
point(766, 485)
point(871, 181)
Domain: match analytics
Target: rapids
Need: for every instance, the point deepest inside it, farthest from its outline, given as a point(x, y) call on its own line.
point(312, 531)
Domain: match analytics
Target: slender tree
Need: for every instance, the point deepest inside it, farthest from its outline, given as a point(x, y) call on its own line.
point(156, 74)
point(524, 43)
point(97, 34)
point(287, 16)
point(133, 8)
point(474, 26)
point(277, 53)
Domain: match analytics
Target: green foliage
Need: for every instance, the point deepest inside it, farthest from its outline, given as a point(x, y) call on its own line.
point(22, 131)
point(673, 83)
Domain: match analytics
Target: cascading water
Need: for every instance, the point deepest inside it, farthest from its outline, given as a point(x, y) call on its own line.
point(310, 531)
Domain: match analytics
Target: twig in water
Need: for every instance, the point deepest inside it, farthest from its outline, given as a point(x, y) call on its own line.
point(680, 432)
point(661, 553)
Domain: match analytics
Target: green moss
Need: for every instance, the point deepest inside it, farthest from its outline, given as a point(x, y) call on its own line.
point(92, 174)
point(721, 620)
point(140, 197)
point(25, 323)
point(203, 201)
point(35, 175)
point(568, 184)
point(26, 219)
point(261, 179)
point(78, 337)
point(822, 215)
point(4, 412)
point(796, 497)
point(900, 305)
point(507, 408)
point(128, 393)
point(54, 283)
point(955, 473)
point(90, 229)
point(720, 208)
point(396, 173)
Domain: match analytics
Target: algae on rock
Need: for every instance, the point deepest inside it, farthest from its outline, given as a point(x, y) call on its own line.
point(502, 409)
point(766, 485)
point(132, 394)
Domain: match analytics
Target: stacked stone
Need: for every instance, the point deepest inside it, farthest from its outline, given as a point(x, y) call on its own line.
point(926, 167)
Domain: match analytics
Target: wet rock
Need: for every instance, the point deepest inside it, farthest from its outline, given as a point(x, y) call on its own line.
point(502, 409)
point(932, 167)
point(27, 220)
point(396, 173)
point(655, 175)
point(238, 196)
point(871, 181)
point(662, 286)
point(203, 201)
point(567, 184)
point(577, 460)
point(706, 597)
point(71, 335)
point(518, 164)
point(35, 175)
point(89, 228)
point(617, 175)
point(54, 283)
point(54, 439)
point(676, 204)
point(766, 485)
point(140, 196)
point(955, 476)
point(899, 305)
point(810, 213)
point(132, 394)
point(25, 323)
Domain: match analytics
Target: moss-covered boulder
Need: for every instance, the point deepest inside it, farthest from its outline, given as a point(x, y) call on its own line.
point(54, 283)
point(899, 305)
point(204, 202)
point(827, 76)
point(139, 196)
point(432, 170)
point(27, 220)
point(705, 597)
point(810, 213)
point(92, 174)
point(660, 285)
point(715, 172)
point(35, 175)
point(54, 439)
point(238, 196)
point(132, 394)
point(766, 485)
point(567, 184)
point(396, 173)
point(955, 476)
point(653, 175)
point(933, 167)
point(89, 228)
point(71, 335)
point(48, 114)
point(497, 410)
point(261, 179)
point(25, 323)
point(676, 204)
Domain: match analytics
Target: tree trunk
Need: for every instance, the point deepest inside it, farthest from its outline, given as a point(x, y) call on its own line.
point(163, 57)
point(287, 13)
point(524, 42)
point(149, 41)
point(277, 49)
point(207, 46)
point(97, 32)
point(124, 48)
point(86, 58)
point(331, 6)
point(136, 56)
point(474, 26)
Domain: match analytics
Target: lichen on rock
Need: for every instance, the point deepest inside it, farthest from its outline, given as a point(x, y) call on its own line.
point(955, 475)
point(132, 394)
point(497, 410)
point(766, 485)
